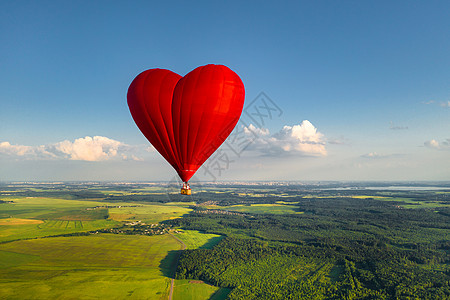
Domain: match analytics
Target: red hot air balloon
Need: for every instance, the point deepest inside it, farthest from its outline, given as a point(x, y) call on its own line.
point(186, 118)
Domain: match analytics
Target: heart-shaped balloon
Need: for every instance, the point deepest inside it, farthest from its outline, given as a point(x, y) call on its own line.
point(186, 118)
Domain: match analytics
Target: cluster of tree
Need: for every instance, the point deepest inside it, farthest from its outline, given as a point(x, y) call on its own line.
point(6, 201)
point(138, 229)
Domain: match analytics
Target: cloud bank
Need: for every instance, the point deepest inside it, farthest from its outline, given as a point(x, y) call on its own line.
point(303, 139)
point(97, 148)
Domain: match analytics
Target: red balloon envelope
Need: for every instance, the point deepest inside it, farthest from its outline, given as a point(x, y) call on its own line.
point(186, 118)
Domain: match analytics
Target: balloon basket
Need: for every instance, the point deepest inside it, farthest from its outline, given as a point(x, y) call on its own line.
point(186, 191)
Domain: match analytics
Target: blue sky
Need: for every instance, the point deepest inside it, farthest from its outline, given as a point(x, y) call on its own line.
point(363, 86)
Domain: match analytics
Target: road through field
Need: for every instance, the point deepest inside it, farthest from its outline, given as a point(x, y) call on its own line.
point(183, 246)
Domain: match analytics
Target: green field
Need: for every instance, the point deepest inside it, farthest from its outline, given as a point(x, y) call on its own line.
point(412, 203)
point(198, 290)
point(50, 228)
point(36, 207)
point(61, 216)
point(49, 217)
point(113, 266)
point(197, 240)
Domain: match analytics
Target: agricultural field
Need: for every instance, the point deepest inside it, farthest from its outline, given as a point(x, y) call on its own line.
point(16, 221)
point(148, 213)
point(194, 239)
point(38, 207)
point(32, 217)
point(198, 290)
point(84, 267)
point(45, 228)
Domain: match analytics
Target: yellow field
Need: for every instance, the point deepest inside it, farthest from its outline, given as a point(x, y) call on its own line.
point(152, 213)
point(287, 203)
point(15, 221)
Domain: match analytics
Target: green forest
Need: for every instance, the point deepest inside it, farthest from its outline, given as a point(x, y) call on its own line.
point(342, 247)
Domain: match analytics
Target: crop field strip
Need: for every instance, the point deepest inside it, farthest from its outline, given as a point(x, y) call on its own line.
point(61, 224)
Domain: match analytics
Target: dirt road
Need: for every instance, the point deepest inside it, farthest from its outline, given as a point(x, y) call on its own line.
point(183, 246)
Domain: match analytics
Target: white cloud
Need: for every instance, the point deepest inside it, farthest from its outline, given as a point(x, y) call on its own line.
point(97, 148)
point(397, 127)
point(301, 139)
point(433, 144)
point(445, 104)
point(25, 151)
point(339, 141)
point(19, 150)
point(375, 155)
point(440, 103)
point(251, 129)
point(371, 155)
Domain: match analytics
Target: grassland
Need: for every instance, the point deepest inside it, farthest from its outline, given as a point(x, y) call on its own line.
point(113, 266)
point(149, 213)
point(198, 290)
point(33, 207)
point(197, 240)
